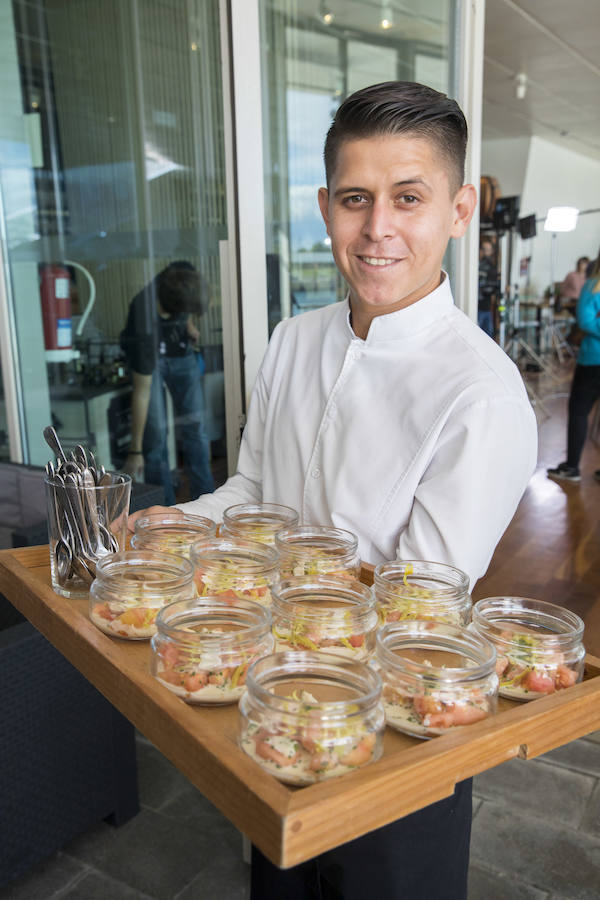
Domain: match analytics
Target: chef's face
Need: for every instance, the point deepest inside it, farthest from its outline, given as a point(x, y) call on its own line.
point(390, 211)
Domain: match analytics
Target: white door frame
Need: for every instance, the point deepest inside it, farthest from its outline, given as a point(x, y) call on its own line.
point(469, 47)
point(249, 168)
point(8, 362)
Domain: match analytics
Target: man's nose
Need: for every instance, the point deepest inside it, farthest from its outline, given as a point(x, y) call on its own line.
point(379, 223)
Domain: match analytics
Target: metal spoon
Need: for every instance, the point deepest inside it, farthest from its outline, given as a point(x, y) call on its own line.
point(51, 438)
point(80, 456)
point(63, 552)
point(101, 537)
point(82, 563)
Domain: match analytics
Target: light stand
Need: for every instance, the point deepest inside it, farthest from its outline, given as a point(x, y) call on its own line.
point(510, 338)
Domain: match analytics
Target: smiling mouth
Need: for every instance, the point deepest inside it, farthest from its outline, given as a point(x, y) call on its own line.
point(377, 260)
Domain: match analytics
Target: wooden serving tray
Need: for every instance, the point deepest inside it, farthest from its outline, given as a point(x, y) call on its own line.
point(288, 824)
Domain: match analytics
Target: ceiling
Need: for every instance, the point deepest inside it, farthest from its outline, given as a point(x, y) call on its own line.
point(555, 44)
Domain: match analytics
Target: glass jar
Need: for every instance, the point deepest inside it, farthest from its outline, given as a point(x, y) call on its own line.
point(435, 676)
point(325, 613)
point(203, 647)
point(539, 645)
point(132, 586)
point(232, 568)
point(257, 521)
point(309, 716)
point(317, 550)
point(414, 589)
point(171, 532)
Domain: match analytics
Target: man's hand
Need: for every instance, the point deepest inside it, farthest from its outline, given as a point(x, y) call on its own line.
point(134, 466)
point(152, 511)
point(192, 331)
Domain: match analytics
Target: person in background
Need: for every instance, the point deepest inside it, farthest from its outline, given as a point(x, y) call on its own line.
point(571, 287)
point(591, 266)
point(489, 287)
point(585, 387)
point(393, 415)
point(157, 344)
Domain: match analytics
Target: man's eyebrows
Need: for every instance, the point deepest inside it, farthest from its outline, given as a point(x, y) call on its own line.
point(418, 179)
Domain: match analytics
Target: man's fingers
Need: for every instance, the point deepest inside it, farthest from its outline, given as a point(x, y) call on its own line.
point(152, 511)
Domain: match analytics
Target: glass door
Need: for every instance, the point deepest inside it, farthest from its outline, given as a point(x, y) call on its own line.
point(114, 214)
point(314, 55)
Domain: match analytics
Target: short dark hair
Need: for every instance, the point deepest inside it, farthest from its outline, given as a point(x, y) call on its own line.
point(182, 289)
point(401, 107)
point(582, 259)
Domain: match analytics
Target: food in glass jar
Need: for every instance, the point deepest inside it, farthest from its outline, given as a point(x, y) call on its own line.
point(118, 619)
point(523, 672)
point(418, 589)
point(131, 587)
point(234, 569)
point(307, 550)
point(325, 613)
point(203, 648)
point(291, 726)
point(539, 645)
point(171, 532)
point(258, 521)
point(435, 676)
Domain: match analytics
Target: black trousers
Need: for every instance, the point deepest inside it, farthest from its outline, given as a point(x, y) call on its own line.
point(585, 390)
point(424, 856)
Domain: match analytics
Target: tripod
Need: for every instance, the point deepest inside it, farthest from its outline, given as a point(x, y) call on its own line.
point(513, 343)
point(510, 338)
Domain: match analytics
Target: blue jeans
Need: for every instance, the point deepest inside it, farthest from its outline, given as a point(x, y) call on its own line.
point(181, 376)
point(485, 321)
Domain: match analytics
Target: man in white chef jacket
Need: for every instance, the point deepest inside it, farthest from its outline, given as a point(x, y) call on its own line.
point(393, 415)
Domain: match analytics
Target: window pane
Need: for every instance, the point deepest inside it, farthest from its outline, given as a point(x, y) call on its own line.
point(309, 68)
point(112, 169)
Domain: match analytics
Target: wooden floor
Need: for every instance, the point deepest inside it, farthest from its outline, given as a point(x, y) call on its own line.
point(551, 549)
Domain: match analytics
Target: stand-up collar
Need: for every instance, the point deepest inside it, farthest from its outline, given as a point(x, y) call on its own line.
point(414, 318)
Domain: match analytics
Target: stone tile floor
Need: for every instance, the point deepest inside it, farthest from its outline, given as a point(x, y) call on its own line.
point(536, 836)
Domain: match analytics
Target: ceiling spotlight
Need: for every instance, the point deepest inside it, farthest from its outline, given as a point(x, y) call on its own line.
point(520, 85)
point(325, 14)
point(387, 17)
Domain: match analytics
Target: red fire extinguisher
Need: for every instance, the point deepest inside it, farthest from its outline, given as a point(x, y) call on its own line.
point(55, 294)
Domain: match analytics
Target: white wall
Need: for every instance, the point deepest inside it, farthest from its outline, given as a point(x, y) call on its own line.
point(560, 177)
point(544, 175)
point(506, 159)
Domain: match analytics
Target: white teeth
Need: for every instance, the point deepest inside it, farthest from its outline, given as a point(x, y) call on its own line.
point(377, 261)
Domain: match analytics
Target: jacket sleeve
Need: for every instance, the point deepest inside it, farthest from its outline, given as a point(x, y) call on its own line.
point(588, 309)
point(471, 488)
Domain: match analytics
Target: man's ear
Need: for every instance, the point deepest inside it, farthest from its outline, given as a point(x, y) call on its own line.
point(465, 202)
point(324, 206)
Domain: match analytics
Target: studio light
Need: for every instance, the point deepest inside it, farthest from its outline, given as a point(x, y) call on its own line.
point(561, 218)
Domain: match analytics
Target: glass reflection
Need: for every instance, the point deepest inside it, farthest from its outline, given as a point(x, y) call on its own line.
point(313, 60)
point(111, 170)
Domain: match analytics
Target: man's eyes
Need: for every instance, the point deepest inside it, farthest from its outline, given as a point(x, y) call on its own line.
point(360, 200)
point(354, 200)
